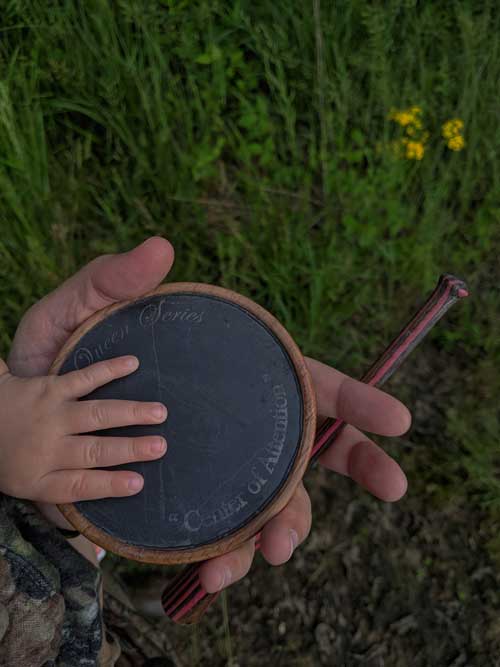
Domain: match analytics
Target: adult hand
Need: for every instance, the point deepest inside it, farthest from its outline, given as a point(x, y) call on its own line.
point(105, 280)
point(353, 455)
point(49, 323)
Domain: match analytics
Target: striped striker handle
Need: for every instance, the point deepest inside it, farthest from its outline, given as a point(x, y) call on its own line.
point(184, 600)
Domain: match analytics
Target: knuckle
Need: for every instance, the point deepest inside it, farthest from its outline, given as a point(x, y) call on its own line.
point(79, 488)
point(136, 449)
point(87, 375)
point(98, 414)
point(106, 369)
point(112, 366)
point(137, 411)
point(94, 453)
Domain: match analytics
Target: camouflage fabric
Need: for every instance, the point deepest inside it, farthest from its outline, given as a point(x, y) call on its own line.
point(51, 603)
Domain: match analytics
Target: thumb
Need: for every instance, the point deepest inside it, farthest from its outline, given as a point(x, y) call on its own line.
point(107, 279)
point(3, 367)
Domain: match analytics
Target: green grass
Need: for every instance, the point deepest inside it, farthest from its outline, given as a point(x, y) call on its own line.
point(250, 135)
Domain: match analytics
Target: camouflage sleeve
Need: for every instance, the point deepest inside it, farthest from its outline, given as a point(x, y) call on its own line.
point(50, 611)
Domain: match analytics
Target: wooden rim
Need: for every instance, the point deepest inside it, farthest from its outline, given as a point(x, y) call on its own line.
point(283, 494)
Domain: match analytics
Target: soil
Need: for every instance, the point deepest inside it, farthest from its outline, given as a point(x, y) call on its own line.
point(375, 584)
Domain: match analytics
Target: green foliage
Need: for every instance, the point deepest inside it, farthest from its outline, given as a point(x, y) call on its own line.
point(250, 135)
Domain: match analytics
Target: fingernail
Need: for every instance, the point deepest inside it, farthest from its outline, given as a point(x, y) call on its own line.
point(131, 362)
point(135, 483)
point(225, 578)
point(158, 446)
point(159, 412)
point(294, 540)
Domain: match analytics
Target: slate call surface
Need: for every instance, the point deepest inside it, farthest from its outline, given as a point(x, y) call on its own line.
point(241, 418)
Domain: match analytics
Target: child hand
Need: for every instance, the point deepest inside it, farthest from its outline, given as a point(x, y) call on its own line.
point(43, 458)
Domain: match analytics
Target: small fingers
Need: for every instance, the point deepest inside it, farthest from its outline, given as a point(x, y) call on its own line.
point(85, 416)
point(82, 382)
point(220, 572)
point(71, 486)
point(281, 536)
point(100, 452)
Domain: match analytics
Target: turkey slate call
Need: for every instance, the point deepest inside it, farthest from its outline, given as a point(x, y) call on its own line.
point(240, 427)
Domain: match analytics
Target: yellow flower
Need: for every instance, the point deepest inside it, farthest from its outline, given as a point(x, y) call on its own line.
point(403, 118)
point(411, 146)
point(414, 150)
point(452, 128)
point(456, 143)
point(407, 117)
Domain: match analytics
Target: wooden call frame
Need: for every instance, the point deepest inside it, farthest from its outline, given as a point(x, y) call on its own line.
point(287, 488)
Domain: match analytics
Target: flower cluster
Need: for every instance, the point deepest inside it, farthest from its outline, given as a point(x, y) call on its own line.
point(414, 149)
point(452, 132)
point(412, 145)
point(409, 118)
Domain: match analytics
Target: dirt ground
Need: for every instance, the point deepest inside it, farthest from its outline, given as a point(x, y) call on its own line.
point(375, 584)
